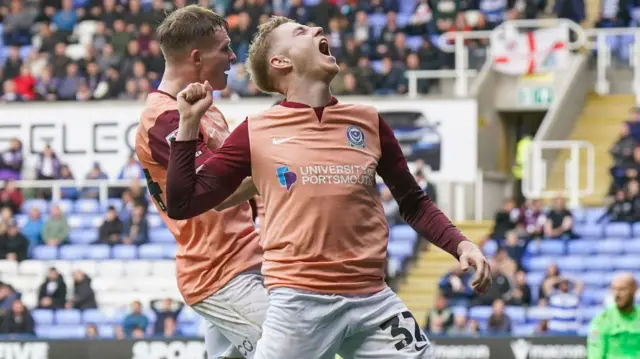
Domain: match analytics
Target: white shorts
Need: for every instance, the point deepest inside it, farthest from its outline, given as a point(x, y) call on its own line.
point(302, 324)
point(237, 312)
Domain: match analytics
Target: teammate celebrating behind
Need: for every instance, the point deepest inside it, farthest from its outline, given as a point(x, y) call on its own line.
point(314, 162)
point(218, 259)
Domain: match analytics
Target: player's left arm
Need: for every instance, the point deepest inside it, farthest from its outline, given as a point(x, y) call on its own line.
point(245, 192)
point(419, 211)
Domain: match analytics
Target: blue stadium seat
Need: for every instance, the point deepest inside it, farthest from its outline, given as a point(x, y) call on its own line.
point(61, 331)
point(480, 314)
point(538, 263)
point(582, 246)
point(170, 251)
point(490, 248)
point(125, 251)
point(161, 235)
point(589, 230)
point(154, 220)
point(622, 230)
point(572, 264)
point(112, 202)
point(594, 279)
point(99, 251)
point(151, 251)
point(592, 214)
point(459, 310)
point(68, 316)
point(42, 316)
point(83, 236)
point(65, 204)
point(579, 215)
point(45, 253)
point(403, 232)
point(192, 330)
point(535, 278)
point(86, 205)
point(523, 329)
point(74, 252)
point(40, 204)
point(552, 247)
point(414, 42)
point(516, 314)
point(627, 263)
point(403, 19)
point(95, 316)
point(589, 313)
point(188, 316)
point(610, 246)
point(106, 331)
point(635, 230)
point(401, 250)
point(632, 246)
point(603, 263)
point(535, 314)
point(594, 296)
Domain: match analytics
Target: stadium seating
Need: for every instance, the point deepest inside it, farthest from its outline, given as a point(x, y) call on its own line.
point(604, 250)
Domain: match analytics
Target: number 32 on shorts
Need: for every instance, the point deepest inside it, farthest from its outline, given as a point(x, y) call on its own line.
point(405, 335)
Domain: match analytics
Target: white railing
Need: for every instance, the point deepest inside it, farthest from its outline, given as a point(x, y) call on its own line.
point(56, 186)
point(534, 172)
point(591, 39)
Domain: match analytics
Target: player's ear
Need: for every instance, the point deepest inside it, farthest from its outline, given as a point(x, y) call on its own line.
point(196, 57)
point(280, 62)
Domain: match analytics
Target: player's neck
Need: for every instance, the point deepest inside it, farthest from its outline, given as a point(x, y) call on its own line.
point(174, 80)
point(312, 94)
point(629, 309)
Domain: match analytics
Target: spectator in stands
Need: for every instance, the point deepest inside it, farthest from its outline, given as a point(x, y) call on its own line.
point(67, 192)
point(390, 206)
point(56, 229)
point(565, 305)
point(390, 80)
point(531, 220)
point(6, 216)
point(456, 287)
point(53, 292)
point(7, 295)
point(17, 24)
point(59, 60)
point(46, 86)
point(170, 328)
point(136, 320)
point(83, 295)
point(460, 327)
point(542, 327)
point(131, 170)
point(69, 84)
point(25, 84)
point(94, 174)
point(505, 219)
point(18, 320)
point(165, 308)
point(139, 194)
point(118, 332)
point(11, 196)
point(9, 93)
point(11, 161)
point(552, 275)
point(559, 221)
point(110, 231)
point(66, 18)
point(622, 153)
point(499, 322)
point(500, 289)
point(48, 165)
point(136, 228)
point(33, 228)
point(570, 9)
point(13, 244)
point(504, 263)
point(515, 248)
point(620, 210)
point(91, 332)
point(440, 318)
point(521, 293)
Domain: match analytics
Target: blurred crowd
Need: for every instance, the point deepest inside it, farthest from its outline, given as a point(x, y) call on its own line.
point(85, 50)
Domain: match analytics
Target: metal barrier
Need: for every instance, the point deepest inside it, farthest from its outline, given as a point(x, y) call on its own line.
point(591, 39)
point(534, 173)
point(56, 186)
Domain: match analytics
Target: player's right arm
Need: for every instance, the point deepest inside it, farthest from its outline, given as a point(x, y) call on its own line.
point(596, 340)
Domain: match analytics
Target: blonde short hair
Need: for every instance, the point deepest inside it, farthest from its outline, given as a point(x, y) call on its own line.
point(258, 59)
point(187, 28)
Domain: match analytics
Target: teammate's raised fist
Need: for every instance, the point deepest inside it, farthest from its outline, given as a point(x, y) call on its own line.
point(194, 100)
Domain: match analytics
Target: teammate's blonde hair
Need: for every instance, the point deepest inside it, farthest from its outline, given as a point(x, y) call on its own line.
point(188, 28)
point(258, 59)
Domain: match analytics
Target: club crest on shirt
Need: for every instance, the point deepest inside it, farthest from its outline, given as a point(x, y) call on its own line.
point(355, 137)
point(172, 136)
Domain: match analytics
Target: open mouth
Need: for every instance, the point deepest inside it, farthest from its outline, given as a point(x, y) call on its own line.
point(324, 47)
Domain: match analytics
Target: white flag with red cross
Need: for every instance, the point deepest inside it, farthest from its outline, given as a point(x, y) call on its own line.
point(539, 51)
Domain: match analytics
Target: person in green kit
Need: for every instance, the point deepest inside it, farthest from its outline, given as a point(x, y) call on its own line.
point(615, 333)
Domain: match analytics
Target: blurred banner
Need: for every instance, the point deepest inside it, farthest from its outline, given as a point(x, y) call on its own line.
point(556, 347)
point(443, 133)
point(539, 51)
